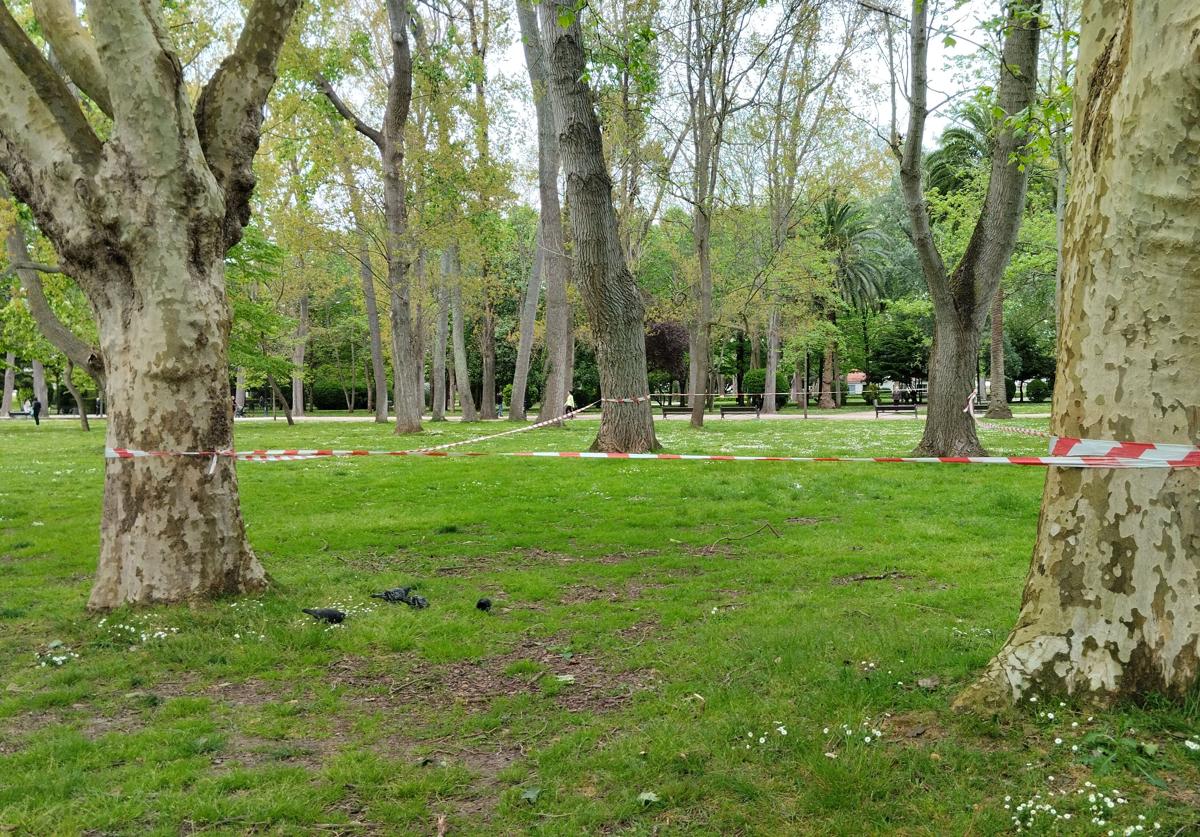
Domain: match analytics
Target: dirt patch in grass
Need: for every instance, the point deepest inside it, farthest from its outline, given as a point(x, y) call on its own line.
point(917, 729)
point(585, 593)
point(811, 521)
point(581, 682)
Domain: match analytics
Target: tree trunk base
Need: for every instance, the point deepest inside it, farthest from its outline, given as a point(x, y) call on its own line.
point(998, 411)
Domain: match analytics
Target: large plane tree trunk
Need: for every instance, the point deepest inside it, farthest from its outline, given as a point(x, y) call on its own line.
point(487, 351)
point(529, 309)
point(1110, 606)
point(962, 298)
point(171, 526)
point(142, 220)
point(610, 292)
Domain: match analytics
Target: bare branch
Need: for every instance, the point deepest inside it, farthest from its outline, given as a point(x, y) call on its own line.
point(373, 134)
point(49, 87)
point(229, 113)
point(74, 47)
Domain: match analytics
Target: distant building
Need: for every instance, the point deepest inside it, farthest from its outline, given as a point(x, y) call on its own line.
point(855, 381)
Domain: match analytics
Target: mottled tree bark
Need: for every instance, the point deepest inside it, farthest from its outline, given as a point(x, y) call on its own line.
point(1111, 608)
point(610, 292)
point(773, 348)
point(239, 390)
point(962, 298)
point(142, 220)
point(529, 308)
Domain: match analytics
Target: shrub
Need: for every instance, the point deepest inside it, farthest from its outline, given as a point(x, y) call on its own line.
point(1037, 390)
point(755, 382)
point(871, 394)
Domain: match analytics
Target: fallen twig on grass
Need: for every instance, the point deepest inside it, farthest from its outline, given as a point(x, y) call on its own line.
point(767, 525)
point(855, 579)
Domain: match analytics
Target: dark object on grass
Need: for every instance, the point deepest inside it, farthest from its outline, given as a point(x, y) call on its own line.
point(396, 594)
point(404, 595)
point(484, 604)
point(325, 614)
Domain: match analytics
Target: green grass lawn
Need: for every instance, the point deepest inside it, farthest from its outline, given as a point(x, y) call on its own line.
point(658, 659)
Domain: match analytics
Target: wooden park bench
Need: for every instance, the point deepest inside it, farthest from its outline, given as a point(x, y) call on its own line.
point(737, 409)
point(669, 409)
point(895, 408)
point(19, 414)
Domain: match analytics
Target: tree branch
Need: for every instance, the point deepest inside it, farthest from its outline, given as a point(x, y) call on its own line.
point(74, 47)
point(373, 134)
point(229, 113)
point(50, 89)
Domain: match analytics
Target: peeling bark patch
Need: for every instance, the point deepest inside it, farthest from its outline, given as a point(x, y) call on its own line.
point(1105, 77)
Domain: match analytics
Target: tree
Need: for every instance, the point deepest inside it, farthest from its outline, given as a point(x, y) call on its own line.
point(963, 297)
point(389, 140)
point(550, 259)
point(610, 292)
point(848, 235)
point(1109, 609)
point(142, 220)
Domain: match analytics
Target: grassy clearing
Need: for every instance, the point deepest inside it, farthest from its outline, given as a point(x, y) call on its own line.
point(650, 636)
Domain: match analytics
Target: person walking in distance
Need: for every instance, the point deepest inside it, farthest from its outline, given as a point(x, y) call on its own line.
point(37, 410)
point(569, 407)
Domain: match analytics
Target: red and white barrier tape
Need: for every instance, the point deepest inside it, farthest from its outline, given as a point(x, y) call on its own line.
point(1067, 453)
point(1003, 428)
point(639, 399)
point(526, 427)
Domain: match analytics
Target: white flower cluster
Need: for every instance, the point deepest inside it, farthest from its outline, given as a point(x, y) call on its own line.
point(139, 630)
point(1041, 814)
point(869, 733)
point(54, 655)
point(780, 730)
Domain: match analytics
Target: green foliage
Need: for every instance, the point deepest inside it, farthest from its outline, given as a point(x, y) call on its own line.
point(755, 383)
point(901, 349)
point(1037, 390)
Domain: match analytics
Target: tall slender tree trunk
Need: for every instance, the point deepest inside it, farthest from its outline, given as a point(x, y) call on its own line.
point(277, 393)
point(40, 390)
point(610, 293)
point(769, 393)
point(700, 329)
point(438, 388)
point(458, 335)
point(79, 405)
point(487, 345)
point(239, 390)
point(298, 353)
point(998, 398)
point(10, 373)
point(551, 240)
point(825, 401)
point(366, 277)
point(533, 290)
point(1110, 605)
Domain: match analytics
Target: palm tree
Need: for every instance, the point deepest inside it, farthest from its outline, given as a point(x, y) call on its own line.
point(965, 148)
point(858, 259)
